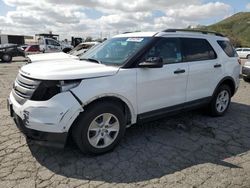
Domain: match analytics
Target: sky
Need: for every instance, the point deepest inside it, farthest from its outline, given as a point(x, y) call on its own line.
point(105, 18)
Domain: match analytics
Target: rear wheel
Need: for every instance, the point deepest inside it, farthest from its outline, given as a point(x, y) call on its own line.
point(100, 128)
point(248, 56)
point(221, 101)
point(6, 58)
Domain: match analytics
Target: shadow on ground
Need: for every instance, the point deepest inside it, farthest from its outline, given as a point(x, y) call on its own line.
point(157, 148)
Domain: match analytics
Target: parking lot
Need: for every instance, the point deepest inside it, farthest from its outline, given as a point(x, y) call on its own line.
point(186, 150)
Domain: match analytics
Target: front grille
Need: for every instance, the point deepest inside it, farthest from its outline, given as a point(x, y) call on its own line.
point(24, 88)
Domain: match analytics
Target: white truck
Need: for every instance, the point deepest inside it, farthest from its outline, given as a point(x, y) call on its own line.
point(48, 45)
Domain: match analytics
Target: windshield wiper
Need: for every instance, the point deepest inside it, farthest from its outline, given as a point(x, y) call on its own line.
point(93, 60)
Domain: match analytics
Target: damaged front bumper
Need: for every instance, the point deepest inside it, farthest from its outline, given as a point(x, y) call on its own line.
point(46, 122)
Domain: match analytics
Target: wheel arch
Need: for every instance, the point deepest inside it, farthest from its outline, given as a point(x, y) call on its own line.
point(228, 80)
point(128, 108)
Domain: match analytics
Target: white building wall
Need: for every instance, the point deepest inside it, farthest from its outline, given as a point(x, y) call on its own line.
point(4, 39)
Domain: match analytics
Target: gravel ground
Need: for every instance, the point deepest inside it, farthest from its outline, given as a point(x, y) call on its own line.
point(187, 150)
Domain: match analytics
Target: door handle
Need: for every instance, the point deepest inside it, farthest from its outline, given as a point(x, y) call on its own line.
point(217, 65)
point(179, 71)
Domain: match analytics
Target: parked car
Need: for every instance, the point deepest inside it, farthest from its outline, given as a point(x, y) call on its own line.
point(43, 57)
point(127, 79)
point(32, 49)
point(82, 48)
point(75, 53)
point(8, 51)
point(48, 45)
point(246, 71)
point(243, 52)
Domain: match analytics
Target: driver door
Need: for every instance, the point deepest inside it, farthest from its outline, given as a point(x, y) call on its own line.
point(160, 88)
point(52, 46)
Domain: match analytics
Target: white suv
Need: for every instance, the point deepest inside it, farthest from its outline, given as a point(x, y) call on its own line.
point(129, 78)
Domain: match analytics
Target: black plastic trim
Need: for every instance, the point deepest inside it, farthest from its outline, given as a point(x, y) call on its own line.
point(194, 30)
point(155, 114)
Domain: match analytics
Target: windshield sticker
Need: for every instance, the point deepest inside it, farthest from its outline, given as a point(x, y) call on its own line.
point(134, 39)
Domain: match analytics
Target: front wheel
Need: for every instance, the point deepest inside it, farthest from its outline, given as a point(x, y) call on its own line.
point(6, 58)
point(100, 128)
point(221, 101)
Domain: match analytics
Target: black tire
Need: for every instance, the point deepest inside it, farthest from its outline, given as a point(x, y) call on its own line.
point(66, 50)
point(80, 131)
point(6, 58)
point(213, 106)
point(248, 56)
point(246, 79)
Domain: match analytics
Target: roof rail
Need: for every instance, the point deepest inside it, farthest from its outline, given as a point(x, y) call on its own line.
point(193, 30)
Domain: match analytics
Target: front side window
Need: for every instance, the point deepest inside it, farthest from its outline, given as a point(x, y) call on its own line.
point(166, 48)
point(116, 51)
point(197, 49)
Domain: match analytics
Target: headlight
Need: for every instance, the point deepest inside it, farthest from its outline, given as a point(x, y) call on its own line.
point(48, 89)
point(68, 84)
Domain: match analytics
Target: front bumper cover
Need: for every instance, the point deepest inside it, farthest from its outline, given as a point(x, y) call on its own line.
point(46, 122)
point(39, 137)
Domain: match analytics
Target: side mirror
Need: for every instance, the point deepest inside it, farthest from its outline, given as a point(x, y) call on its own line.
point(152, 62)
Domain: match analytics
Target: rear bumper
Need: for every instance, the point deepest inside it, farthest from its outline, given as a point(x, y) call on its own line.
point(39, 137)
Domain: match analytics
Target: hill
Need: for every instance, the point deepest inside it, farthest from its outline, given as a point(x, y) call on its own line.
point(236, 27)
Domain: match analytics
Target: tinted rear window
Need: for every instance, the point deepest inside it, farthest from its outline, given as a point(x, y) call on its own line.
point(228, 48)
point(197, 49)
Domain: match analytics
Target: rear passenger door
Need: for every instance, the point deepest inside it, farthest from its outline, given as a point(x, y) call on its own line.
point(205, 70)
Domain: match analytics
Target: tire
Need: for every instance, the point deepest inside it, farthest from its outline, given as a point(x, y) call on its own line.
point(246, 79)
point(92, 135)
point(6, 58)
point(66, 50)
point(220, 101)
point(248, 56)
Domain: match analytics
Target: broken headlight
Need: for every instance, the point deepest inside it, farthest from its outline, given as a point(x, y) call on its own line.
point(68, 84)
point(48, 89)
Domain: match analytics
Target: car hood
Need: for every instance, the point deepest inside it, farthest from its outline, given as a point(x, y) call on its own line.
point(50, 56)
point(66, 70)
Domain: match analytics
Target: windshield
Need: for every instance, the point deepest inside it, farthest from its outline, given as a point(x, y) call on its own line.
point(116, 51)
